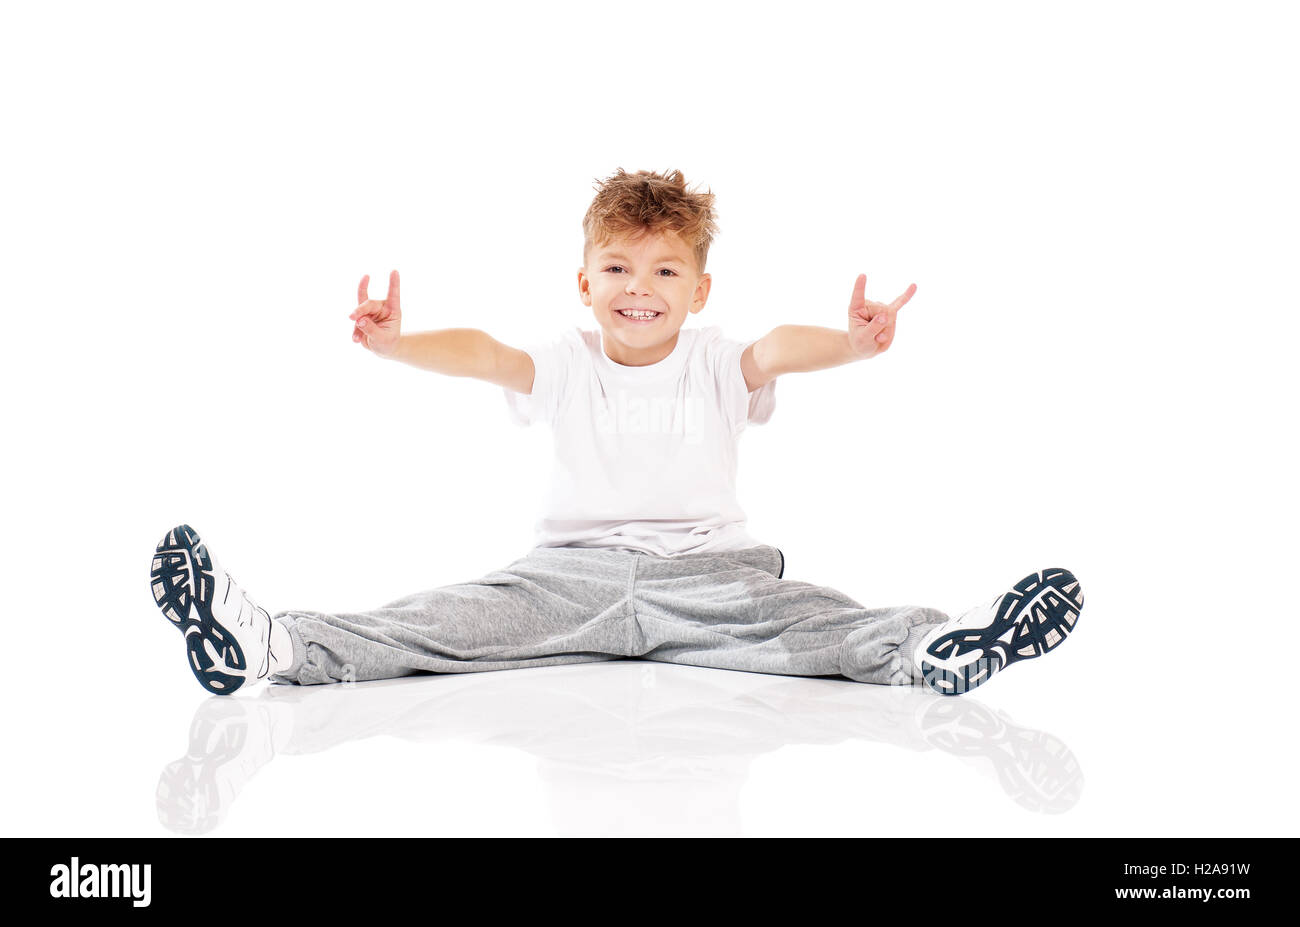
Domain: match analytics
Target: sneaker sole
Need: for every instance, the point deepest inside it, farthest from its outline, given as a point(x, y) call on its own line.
point(1035, 616)
point(182, 583)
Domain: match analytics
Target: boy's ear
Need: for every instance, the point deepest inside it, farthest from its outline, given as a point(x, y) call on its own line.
point(701, 292)
point(584, 288)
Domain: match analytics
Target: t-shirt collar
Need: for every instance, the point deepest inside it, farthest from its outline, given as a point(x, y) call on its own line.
point(669, 364)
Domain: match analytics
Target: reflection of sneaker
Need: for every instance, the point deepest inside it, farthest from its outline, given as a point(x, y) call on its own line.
point(230, 740)
point(227, 636)
point(1033, 767)
point(1033, 617)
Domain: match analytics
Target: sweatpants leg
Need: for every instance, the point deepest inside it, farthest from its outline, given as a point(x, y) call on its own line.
point(733, 611)
point(554, 605)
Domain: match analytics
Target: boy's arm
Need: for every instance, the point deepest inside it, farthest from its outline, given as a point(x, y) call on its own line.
point(799, 348)
point(467, 352)
point(456, 352)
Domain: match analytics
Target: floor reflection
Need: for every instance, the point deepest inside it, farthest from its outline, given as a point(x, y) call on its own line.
point(623, 747)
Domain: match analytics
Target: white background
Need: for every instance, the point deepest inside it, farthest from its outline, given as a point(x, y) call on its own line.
point(1097, 202)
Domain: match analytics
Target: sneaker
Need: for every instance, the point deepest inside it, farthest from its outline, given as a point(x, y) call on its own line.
point(227, 635)
point(1033, 617)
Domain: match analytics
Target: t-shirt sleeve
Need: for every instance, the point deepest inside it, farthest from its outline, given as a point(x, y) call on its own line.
point(552, 365)
point(739, 405)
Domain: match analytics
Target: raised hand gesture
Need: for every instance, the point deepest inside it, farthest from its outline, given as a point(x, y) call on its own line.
point(378, 322)
point(871, 324)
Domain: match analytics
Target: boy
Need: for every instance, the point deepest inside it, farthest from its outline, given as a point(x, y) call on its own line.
point(642, 551)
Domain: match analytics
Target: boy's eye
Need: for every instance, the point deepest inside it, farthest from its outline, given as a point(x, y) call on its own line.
point(616, 267)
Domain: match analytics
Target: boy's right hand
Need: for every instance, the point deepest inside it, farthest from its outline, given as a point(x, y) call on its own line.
point(378, 322)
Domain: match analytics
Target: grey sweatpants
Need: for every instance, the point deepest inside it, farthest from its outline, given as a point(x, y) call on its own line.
point(730, 610)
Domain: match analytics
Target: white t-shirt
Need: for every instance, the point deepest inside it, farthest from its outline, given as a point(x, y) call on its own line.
point(645, 457)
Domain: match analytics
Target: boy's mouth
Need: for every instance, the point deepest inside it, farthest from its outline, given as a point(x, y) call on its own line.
point(638, 316)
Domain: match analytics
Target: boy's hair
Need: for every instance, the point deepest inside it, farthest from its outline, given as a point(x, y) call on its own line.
point(630, 205)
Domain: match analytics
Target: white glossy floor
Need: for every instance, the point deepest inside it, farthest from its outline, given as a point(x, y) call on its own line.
point(639, 748)
point(619, 748)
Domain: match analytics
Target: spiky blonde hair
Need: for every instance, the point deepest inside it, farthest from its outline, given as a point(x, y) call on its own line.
point(631, 205)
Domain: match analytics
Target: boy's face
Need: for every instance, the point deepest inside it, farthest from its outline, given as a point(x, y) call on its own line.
point(655, 272)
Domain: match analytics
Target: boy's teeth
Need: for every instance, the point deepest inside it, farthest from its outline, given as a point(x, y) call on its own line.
point(637, 315)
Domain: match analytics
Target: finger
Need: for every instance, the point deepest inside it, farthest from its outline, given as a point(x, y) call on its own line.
point(877, 324)
point(373, 310)
point(356, 335)
point(859, 292)
point(361, 290)
point(874, 312)
point(370, 327)
point(902, 300)
point(368, 333)
point(394, 290)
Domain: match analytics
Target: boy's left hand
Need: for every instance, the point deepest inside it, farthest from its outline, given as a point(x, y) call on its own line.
point(871, 324)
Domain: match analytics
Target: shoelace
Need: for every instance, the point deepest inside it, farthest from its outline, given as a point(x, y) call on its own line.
point(245, 596)
point(246, 600)
point(980, 609)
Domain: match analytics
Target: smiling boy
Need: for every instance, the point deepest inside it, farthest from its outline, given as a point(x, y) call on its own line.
point(642, 550)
